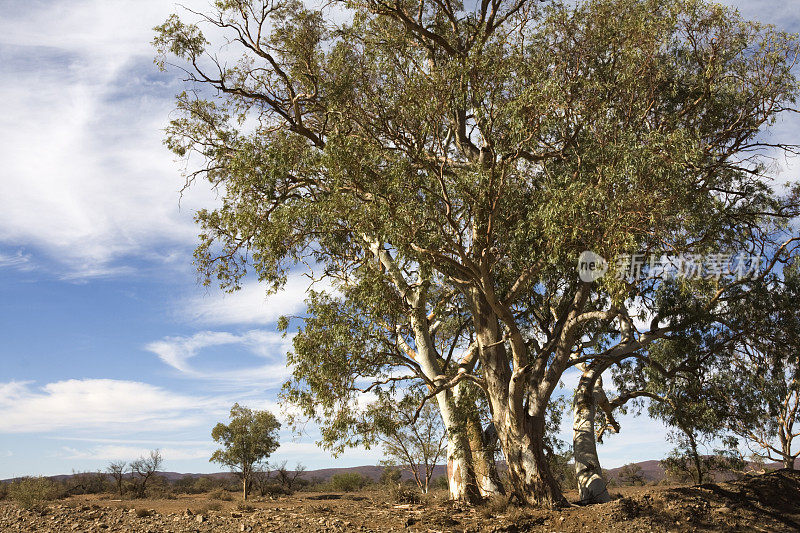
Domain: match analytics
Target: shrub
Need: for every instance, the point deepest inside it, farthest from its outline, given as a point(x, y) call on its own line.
point(631, 474)
point(3, 490)
point(221, 494)
point(390, 476)
point(142, 513)
point(245, 507)
point(203, 484)
point(495, 506)
point(34, 492)
point(86, 483)
point(400, 493)
point(563, 469)
point(348, 482)
point(210, 506)
point(272, 490)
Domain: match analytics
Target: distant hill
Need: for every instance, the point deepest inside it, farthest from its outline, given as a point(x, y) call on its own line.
point(651, 471)
point(372, 472)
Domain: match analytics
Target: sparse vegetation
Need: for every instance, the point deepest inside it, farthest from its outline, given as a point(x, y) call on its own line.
point(348, 482)
point(631, 474)
point(290, 480)
point(34, 492)
point(411, 436)
point(442, 167)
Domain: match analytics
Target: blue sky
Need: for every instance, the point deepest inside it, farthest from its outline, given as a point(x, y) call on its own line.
point(108, 346)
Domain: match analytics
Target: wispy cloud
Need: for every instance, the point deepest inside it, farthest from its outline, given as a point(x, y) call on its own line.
point(178, 353)
point(122, 452)
point(113, 405)
point(86, 179)
point(250, 304)
point(18, 260)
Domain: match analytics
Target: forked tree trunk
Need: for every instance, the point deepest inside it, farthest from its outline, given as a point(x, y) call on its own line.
point(520, 431)
point(591, 485)
point(528, 469)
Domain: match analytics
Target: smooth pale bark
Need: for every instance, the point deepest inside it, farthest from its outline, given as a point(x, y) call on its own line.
point(592, 488)
point(461, 478)
point(460, 468)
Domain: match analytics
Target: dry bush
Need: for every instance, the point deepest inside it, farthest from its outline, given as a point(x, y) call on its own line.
point(142, 513)
point(348, 482)
point(404, 494)
point(495, 506)
point(220, 494)
point(503, 506)
point(3, 490)
point(34, 492)
point(245, 507)
point(517, 515)
point(86, 483)
point(209, 506)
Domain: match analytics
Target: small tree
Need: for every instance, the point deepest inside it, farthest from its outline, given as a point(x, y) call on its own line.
point(116, 469)
point(248, 440)
point(412, 437)
point(763, 368)
point(391, 476)
point(631, 474)
point(686, 463)
point(289, 479)
point(143, 469)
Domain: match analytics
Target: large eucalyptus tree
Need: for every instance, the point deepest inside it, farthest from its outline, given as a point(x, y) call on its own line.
point(479, 149)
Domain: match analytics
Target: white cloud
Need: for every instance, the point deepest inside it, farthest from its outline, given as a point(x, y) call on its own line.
point(122, 452)
point(178, 352)
point(18, 261)
point(250, 304)
point(110, 405)
point(86, 178)
point(784, 15)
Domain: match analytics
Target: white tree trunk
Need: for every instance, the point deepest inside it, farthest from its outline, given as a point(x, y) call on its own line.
point(591, 485)
point(460, 469)
point(460, 460)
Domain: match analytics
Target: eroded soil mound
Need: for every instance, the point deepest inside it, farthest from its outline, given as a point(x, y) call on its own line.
point(770, 502)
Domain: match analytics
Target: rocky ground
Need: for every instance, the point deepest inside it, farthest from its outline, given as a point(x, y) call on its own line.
point(770, 502)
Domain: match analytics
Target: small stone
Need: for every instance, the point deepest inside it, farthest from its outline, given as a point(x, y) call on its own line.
point(200, 518)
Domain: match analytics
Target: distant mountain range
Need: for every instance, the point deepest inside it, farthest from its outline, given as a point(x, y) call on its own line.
point(651, 471)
